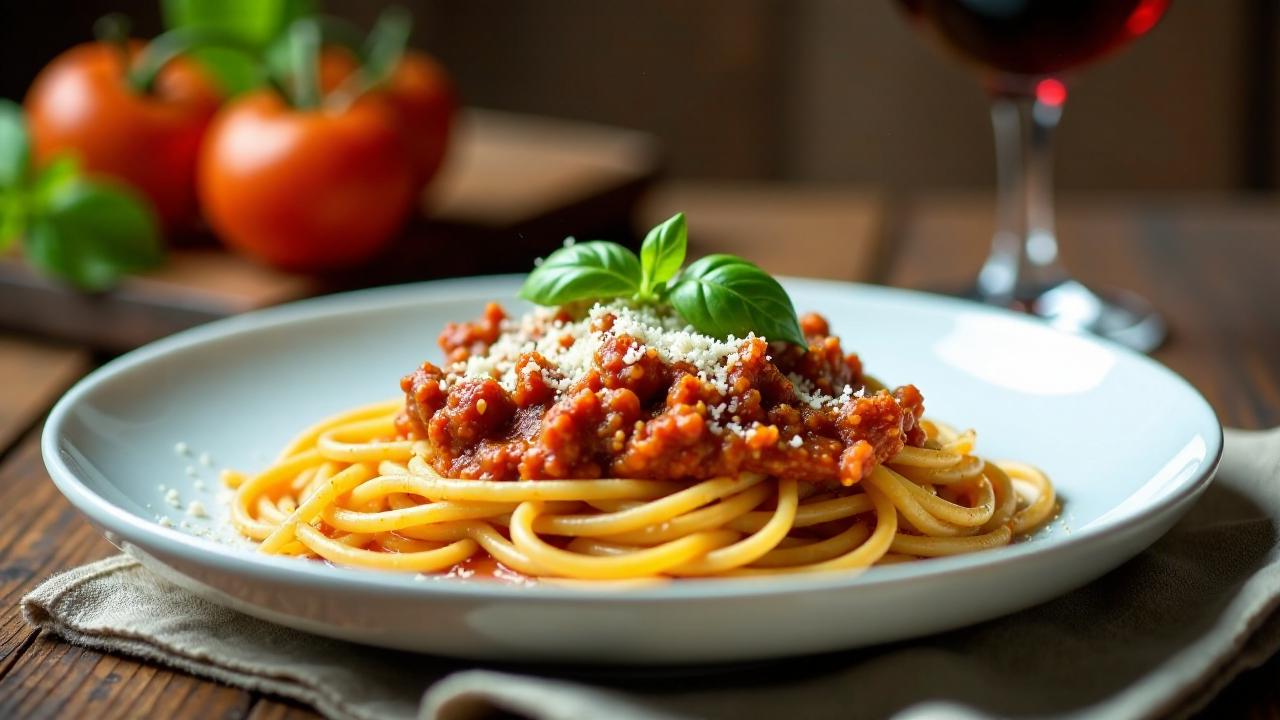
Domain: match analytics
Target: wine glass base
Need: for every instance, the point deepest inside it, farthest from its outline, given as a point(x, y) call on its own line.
point(1120, 316)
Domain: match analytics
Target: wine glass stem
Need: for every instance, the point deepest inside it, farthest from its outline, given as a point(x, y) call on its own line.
point(1024, 251)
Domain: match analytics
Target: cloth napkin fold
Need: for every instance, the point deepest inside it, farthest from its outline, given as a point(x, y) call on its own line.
point(1158, 636)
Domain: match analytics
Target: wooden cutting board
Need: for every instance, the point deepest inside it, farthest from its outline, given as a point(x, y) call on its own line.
point(513, 187)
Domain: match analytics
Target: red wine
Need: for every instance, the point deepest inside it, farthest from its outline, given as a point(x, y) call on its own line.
point(1035, 37)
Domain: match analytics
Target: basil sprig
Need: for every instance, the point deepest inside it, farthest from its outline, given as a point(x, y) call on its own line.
point(86, 232)
point(719, 295)
point(726, 295)
point(584, 271)
point(662, 254)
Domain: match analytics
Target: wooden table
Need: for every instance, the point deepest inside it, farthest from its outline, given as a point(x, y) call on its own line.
point(1210, 263)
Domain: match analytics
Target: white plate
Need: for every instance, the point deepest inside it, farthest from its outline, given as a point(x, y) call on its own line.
point(1129, 444)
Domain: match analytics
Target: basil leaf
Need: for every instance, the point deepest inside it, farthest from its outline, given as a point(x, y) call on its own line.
point(15, 145)
point(253, 23)
point(724, 295)
point(54, 179)
point(93, 233)
point(13, 216)
point(663, 252)
point(236, 72)
point(589, 270)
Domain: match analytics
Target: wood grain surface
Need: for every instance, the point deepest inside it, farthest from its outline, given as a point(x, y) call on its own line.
point(1208, 262)
point(32, 372)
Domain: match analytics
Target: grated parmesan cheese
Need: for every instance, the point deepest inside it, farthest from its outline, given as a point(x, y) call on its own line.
point(570, 349)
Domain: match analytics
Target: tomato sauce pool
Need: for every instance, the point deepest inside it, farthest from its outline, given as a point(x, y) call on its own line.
point(486, 567)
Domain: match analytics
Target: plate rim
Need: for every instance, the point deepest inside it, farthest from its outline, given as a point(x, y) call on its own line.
point(243, 561)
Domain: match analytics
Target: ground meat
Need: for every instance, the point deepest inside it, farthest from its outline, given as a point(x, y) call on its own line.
point(636, 416)
point(462, 340)
point(580, 433)
point(912, 402)
point(532, 388)
point(814, 325)
point(872, 429)
point(424, 395)
point(625, 363)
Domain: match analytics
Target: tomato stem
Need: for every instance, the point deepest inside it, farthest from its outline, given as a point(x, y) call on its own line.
point(381, 56)
point(167, 47)
point(341, 32)
point(386, 44)
point(304, 55)
point(112, 30)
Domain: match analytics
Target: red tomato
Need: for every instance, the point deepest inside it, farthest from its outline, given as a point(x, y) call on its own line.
point(81, 103)
point(305, 190)
point(422, 92)
point(423, 95)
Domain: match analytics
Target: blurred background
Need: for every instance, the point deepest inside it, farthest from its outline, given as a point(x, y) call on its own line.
point(818, 138)
point(815, 90)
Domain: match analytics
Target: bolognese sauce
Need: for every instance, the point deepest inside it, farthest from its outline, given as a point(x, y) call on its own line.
point(619, 391)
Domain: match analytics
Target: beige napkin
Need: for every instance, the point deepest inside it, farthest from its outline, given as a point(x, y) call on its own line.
point(1158, 636)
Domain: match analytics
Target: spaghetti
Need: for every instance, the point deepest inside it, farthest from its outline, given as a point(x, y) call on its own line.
point(407, 485)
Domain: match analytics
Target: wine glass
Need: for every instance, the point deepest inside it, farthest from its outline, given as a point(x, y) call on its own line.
point(1022, 48)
